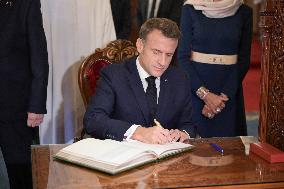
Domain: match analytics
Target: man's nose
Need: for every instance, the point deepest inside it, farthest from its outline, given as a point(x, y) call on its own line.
point(163, 60)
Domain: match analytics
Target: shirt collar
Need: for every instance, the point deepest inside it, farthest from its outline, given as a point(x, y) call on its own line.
point(142, 73)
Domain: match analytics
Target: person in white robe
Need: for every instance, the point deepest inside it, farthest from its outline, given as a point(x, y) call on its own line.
point(74, 29)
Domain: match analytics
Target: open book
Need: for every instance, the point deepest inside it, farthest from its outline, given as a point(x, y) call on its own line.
point(113, 156)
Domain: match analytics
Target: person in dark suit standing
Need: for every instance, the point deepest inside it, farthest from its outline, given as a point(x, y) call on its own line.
point(121, 18)
point(170, 9)
point(23, 83)
point(130, 95)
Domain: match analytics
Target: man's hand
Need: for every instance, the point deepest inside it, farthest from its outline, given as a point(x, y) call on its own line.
point(215, 102)
point(177, 135)
point(151, 135)
point(34, 119)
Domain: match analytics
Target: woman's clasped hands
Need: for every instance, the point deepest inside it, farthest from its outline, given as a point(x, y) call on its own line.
point(214, 104)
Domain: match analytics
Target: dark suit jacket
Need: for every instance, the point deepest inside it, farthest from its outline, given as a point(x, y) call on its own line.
point(121, 18)
point(170, 9)
point(120, 102)
point(23, 60)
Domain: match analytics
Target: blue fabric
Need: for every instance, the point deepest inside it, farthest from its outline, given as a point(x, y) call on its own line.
point(170, 9)
point(23, 83)
point(120, 101)
point(225, 36)
point(23, 60)
point(121, 18)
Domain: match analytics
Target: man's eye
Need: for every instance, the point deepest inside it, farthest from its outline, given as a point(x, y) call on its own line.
point(169, 55)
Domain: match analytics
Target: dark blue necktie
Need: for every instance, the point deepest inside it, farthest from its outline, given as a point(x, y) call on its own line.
point(151, 95)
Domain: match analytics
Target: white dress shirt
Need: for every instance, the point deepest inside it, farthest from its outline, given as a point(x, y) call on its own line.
point(143, 75)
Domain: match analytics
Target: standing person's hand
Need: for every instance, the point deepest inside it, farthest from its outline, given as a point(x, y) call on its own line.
point(34, 119)
point(206, 111)
point(224, 96)
point(215, 102)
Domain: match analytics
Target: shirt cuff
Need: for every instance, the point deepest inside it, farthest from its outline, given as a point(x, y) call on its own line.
point(128, 134)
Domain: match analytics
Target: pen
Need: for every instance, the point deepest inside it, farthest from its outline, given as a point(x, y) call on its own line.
point(217, 148)
point(158, 124)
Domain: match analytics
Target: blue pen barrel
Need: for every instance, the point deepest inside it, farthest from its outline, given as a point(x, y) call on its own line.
point(217, 148)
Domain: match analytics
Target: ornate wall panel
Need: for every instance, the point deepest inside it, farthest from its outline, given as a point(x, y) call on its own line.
point(271, 120)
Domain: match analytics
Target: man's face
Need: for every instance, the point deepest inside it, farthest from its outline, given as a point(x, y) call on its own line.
point(156, 52)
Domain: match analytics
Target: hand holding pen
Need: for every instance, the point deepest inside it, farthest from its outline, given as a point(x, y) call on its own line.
point(153, 135)
point(158, 124)
point(175, 135)
point(170, 137)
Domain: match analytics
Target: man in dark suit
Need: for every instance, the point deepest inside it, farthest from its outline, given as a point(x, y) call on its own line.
point(23, 83)
point(121, 18)
point(170, 9)
point(126, 102)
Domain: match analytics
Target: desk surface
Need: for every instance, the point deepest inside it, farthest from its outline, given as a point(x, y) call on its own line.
point(176, 172)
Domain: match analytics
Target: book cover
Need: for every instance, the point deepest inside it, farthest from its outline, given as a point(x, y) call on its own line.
point(114, 157)
point(267, 152)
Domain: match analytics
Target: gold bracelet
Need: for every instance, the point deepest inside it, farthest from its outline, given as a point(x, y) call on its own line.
point(202, 92)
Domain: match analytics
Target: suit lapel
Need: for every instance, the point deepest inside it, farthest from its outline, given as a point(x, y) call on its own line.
point(160, 9)
point(163, 95)
point(137, 88)
point(165, 7)
point(145, 10)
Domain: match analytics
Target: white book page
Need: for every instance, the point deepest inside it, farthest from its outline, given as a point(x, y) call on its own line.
point(159, 149)
point(107, 151)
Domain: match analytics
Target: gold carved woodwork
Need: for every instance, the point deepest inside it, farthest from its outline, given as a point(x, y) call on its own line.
point(271, 120)
point(118, 50)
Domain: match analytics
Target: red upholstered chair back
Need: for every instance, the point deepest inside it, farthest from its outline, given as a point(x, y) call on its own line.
point(89, 71)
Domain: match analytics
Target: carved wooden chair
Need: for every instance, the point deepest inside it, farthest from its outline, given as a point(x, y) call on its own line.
point(89, 71)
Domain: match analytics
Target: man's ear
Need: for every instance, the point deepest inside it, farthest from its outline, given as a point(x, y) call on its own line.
point(139, 45)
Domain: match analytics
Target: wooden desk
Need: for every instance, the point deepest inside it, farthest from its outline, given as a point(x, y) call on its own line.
point(176, 172)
